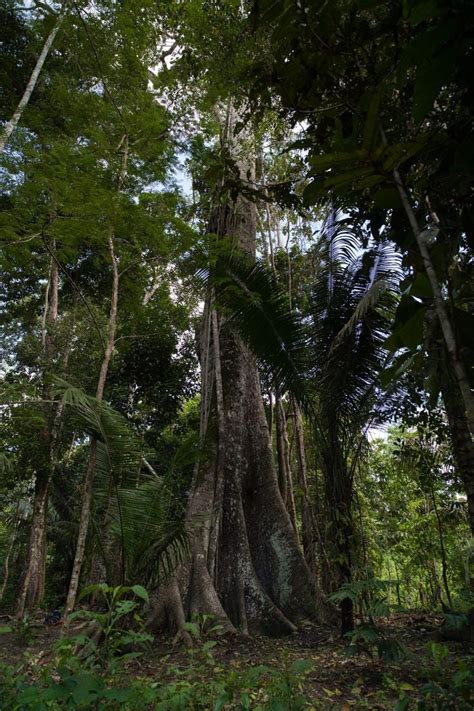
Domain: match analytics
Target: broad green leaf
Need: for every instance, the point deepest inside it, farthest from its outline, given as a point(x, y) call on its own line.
point(95, 587)
point(140, 592)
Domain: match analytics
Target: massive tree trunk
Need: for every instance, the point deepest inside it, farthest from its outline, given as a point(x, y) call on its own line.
point(245, 566)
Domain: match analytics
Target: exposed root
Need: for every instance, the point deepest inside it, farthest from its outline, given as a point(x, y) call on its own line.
point(183, 636)
point(203, 596)
point(272, 619)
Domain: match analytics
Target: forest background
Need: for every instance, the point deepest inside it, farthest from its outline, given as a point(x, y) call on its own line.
point(237, 245)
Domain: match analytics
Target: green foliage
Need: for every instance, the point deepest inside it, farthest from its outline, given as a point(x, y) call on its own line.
point(121, 449)
point(369, 596)
point(404, 500)
point(203, 626)
point(446, 688)
point(261, 688)
point(112, 630)
point(258, 307)
point(144, 522)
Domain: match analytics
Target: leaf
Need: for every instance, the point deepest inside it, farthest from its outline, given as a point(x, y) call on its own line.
point(367, 303)
point(427, 87)
point(421, 286)
point(432, 77)
point(140, 592)
point(207, 646)
point(333, 160)
point(411, 333)
point(312, 193)
point(85, 687)
point(94, 587)
point(192, 628)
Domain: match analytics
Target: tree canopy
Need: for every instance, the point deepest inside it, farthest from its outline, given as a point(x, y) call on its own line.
point(237, 355)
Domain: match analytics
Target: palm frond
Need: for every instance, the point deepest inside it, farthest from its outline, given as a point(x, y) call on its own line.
point(143, 522)
point(352, 303)
point(119, 448)
point(369, 301)
point(249, 294)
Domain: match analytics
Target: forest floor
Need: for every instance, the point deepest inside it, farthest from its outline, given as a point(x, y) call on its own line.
point(334, 681)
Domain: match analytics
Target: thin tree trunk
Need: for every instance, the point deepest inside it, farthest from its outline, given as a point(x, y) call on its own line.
point(32, 586)
point(91, 465)
point(308, 523)
point(439, 304)
point(6, 562)
point(104, 368)
point(397, 585)
point(282, 453)
point(462, 442)
point(444, 562)
point(284, 466)
point(339, 489)
point(23, 103)
point(32, 589)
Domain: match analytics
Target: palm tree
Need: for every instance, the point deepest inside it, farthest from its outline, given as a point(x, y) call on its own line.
point(351, 305)
point(139, 527)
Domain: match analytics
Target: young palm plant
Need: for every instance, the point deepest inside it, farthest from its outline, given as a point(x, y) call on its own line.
point(138, 526)
point(351, 305)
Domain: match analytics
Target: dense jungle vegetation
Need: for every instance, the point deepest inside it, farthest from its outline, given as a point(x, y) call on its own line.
point(237, 317)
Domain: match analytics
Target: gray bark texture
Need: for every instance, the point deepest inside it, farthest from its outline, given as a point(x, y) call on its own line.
point(245, 566)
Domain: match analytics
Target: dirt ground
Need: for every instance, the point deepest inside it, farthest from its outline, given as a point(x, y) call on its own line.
point(335, 681)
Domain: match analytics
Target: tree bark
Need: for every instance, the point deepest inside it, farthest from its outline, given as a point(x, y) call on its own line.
point(340, 533)
point(6, 562)
point(256, 579)
point(308, 523)
point(462, 442)
point(90, 471)
point(444, 562)
point(23, 103)
point(282, 449)
point(447, 330)
point(32, 585)
point(32, 590)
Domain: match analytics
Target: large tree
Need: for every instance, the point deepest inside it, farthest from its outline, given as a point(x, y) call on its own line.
point(245, 566)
